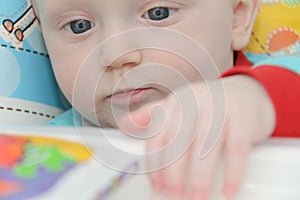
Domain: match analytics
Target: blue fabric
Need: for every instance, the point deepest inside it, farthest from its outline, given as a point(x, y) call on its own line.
point(25, 67)
point(288, 62)
point(69, 118)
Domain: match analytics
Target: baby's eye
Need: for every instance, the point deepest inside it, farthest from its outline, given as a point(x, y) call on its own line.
point(79, 26)
point(159, 13)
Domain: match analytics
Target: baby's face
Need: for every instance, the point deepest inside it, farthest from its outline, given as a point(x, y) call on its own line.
point(113, 55)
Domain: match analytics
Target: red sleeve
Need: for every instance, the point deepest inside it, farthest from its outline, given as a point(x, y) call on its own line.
point(283, 87)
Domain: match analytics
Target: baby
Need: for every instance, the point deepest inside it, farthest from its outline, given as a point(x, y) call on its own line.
point(152, 69)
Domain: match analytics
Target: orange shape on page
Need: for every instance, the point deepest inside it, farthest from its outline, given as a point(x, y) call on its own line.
point(11, 150)
point(281, 38)
point(7, 188)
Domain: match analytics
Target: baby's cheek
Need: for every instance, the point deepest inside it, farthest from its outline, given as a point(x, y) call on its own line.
point(65, 82)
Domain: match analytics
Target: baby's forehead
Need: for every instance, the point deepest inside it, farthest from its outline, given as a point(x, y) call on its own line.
point(41, 2)
point(45, 5)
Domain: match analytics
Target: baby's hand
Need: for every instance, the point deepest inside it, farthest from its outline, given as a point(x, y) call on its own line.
point(193, 128)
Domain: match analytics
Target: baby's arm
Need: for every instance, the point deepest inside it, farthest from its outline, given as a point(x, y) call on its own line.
point(249, 119)
point(280, 77)
point(252, 94)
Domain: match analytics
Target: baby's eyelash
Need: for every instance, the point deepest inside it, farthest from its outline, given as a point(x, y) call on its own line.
point(159, 13)
point(79, 26)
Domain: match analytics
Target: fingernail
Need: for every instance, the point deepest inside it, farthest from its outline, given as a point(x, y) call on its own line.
point(229, 190)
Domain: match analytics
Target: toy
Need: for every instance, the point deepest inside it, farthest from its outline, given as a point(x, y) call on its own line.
point(28, 90)
point(276, 31)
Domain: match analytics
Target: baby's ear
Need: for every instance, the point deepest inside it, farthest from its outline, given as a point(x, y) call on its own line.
point(243, 19)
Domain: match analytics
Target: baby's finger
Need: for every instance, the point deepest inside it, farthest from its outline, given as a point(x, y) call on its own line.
point(157, 142)
point(203, 172)
point(154, 162)
point(237, 149)
point(175, 175)
point(141, 119)
point(170, 145)
point(136, 121)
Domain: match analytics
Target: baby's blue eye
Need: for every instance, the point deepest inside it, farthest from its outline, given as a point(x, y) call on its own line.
point(159, 13)
point(80, 26)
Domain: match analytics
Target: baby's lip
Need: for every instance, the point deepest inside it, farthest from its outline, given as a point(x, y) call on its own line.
point(129, 96)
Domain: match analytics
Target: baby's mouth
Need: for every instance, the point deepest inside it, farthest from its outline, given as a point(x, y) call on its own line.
point(129, 97)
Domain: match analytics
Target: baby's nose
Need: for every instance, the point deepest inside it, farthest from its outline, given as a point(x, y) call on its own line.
point(129, 59)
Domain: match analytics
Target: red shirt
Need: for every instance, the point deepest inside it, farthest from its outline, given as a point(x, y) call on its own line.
point(283, 87)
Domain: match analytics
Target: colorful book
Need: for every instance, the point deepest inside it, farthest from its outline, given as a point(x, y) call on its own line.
point(46, 163)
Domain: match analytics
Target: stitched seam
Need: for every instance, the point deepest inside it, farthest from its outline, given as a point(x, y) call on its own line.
point(25, 50)
point(26, 111)
point(260, 44)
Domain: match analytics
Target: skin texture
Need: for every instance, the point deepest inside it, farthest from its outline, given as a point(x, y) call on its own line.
point(68, 51)
point(99, 80)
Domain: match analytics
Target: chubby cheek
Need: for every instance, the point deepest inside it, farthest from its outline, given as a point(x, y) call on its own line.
point(65, 59)
point(217, 46)
point(174, 67)
point(65, 70)
point(213, 34)
point(75, 87)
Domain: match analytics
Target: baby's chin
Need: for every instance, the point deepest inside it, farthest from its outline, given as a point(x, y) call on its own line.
point(112, 118)
point(108, 119)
